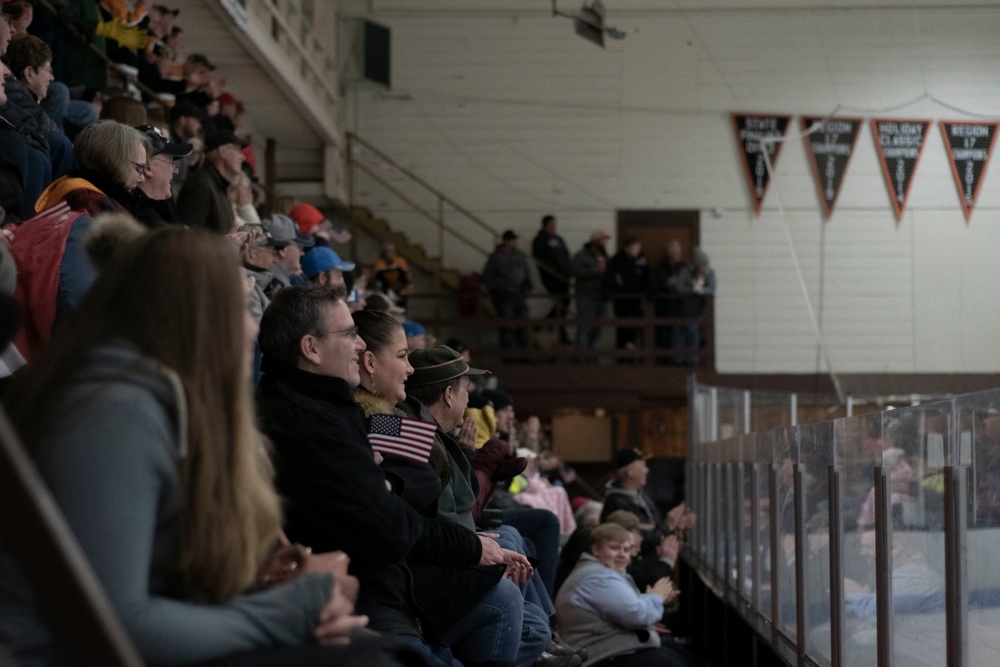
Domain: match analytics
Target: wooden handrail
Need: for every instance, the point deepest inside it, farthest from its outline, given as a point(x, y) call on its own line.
point(471, 327)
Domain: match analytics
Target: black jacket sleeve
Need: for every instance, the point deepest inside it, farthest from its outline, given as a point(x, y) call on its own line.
point(338, 498)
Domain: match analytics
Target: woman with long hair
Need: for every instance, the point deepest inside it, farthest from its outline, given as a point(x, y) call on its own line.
point(139, 418)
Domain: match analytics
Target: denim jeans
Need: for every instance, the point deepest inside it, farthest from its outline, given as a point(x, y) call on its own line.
point(491, 631)
point(400, 628)
point(540, 529)
point(686, 342)
point(536, 635)
point(512, 308)
point(533, 589)
point(60, 154)
point(589, 308)
point(60, 107)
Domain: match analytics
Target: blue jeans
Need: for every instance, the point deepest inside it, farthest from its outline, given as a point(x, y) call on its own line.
point(536, 635)
point(589, 308)
point(491, 631)
point(60, 154)
point(400, 627)
point(512, 308)
point(685, 339)
point(540, 530)
point(60, 107)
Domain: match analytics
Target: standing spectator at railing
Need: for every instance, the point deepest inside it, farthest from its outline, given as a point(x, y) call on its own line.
point(693, 305)
point(671, 278)
point(589, 265)
point(628, 280)
point(508, 278)
point(204, 200)
point(392, 274)
point(554, 269)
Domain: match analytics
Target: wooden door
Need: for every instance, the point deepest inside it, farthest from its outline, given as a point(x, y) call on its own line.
point(655, 229)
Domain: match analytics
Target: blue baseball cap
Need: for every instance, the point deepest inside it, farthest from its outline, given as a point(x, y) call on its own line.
point(412, 328)
point(321, 259)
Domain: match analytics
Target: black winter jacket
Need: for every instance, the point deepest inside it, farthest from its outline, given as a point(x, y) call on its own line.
point(336, 496)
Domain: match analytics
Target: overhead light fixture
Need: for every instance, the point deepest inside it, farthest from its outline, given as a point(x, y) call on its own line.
point(589, 22)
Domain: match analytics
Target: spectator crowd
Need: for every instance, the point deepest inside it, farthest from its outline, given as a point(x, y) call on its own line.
point(263, 460)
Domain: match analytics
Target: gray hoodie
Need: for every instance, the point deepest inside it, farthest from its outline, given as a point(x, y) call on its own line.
point(110, 460)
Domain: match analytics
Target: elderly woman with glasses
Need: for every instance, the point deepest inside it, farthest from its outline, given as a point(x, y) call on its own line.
point(113, 159)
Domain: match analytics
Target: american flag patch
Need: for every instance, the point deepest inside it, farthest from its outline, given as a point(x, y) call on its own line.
point(411, 439)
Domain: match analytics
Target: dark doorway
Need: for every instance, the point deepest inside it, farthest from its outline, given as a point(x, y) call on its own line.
point(655, 229)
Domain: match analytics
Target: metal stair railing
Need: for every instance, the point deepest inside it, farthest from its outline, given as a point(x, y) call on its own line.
point(356, 146)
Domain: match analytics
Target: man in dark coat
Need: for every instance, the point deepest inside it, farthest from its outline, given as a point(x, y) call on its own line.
point(337, 497)
point(628, 279)
point(508, 278)
point(554, 268)
point(204, 199)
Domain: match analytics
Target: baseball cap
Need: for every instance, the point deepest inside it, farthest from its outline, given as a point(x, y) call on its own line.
point(162, 144)
point(214, 140)
point(283, 230)
point(185, 108)
point(379, 301)
point(624, 457)
point(200, 59)
point(321, 259)
point(13, 8)
point(438, 364)
point(307, 217)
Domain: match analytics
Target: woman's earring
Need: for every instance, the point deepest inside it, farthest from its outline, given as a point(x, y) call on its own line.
point(373, 382)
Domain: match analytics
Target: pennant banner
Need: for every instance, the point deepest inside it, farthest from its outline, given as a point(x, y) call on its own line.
point(969, 146)
point(899, 144)
point(750, 130)
point(830, 148)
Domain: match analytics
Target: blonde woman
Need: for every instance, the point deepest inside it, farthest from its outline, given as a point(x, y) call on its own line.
point(140, 420)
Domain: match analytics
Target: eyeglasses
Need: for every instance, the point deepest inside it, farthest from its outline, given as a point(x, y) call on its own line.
point(140, 168)
point(165, 160)
point(351, 333)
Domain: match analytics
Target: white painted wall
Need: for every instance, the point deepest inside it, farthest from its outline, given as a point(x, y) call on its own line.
point(512, 115)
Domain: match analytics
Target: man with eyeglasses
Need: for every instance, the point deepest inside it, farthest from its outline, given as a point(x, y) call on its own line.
point(204, 199)
point(155, 206)
point(337, 496)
